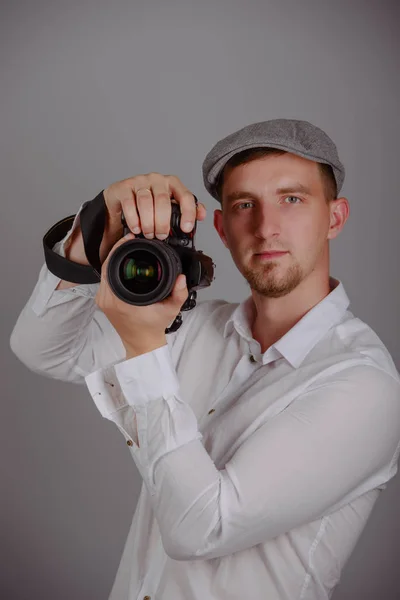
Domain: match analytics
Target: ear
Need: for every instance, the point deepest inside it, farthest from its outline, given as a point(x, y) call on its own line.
point(339, 213)
point(218, 224)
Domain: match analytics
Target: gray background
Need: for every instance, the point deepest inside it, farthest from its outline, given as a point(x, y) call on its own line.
point(93, 92)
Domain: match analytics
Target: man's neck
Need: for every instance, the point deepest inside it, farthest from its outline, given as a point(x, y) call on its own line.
point(273, 317)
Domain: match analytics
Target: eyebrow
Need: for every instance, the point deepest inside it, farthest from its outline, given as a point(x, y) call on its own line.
point(290, 189)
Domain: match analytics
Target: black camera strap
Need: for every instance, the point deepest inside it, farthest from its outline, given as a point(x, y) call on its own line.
point(92, 222)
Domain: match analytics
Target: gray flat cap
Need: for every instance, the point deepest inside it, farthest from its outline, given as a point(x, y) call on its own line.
point(297, 137)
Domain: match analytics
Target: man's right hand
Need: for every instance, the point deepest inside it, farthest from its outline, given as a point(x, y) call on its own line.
point(145, 201)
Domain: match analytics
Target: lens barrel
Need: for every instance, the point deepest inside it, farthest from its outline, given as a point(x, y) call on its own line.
point(143, 272)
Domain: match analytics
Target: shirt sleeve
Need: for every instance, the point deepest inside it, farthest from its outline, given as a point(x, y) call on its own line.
point(331, 445)
point(61, 333)
point(141, 396)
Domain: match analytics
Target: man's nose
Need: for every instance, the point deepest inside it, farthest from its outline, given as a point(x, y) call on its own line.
point(267, 222)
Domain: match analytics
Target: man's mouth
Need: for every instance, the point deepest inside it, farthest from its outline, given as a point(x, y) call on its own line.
point(271, 254)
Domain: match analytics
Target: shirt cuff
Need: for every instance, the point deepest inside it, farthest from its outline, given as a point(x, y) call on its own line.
point(148, 377)
point(143, 392)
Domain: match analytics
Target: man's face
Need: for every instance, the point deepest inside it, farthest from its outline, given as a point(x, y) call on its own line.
point(275, 203)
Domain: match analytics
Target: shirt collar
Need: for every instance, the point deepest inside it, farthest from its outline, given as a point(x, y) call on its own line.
point(302, 337)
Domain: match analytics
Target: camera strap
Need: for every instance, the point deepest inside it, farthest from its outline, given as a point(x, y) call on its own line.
point(92, 222)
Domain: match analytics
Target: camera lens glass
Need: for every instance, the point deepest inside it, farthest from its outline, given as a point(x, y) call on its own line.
point(140, 272)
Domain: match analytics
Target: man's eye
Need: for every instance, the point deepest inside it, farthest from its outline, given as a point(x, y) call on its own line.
point(292, 198)
point(243, 204)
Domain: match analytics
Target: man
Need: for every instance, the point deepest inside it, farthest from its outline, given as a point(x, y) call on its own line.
point(264, 431)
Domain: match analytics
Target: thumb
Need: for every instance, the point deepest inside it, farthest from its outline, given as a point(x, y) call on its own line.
point(181, 282)
point(178, 295)
point(180, 291)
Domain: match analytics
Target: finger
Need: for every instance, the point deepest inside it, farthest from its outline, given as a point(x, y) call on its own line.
point(145, 208)
point(162, 210)
point(131, 214)
point(201, 212)
point(186, 201)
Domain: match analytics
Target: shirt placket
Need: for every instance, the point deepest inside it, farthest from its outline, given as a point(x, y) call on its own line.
point(152, 578)
point(243, 370)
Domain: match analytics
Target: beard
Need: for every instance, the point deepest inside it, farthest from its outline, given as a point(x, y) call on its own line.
point(264, 278)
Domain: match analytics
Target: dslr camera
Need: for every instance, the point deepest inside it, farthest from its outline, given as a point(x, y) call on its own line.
point(143, 271)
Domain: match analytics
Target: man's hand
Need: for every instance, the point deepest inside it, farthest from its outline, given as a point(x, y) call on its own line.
point(146, 203)
point(141, 328)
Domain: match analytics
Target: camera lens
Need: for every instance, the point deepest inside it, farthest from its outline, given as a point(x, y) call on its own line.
point(143, 271)
point(140, 272)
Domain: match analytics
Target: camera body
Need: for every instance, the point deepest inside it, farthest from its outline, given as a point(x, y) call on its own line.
point(143, 271)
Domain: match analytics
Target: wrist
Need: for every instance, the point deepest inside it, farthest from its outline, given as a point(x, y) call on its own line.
point(74, 248)
point(138, 348)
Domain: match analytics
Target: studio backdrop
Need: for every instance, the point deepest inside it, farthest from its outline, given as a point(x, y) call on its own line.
point(95, 91)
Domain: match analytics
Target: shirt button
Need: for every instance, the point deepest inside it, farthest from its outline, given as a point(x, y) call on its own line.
point(147, 598)
point(252, 359)
point(130, 443)
point(211, 411)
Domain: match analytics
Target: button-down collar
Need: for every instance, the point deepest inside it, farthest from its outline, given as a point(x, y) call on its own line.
point(300, 339)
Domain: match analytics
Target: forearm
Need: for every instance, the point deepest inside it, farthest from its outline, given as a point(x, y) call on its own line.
point(131, 352)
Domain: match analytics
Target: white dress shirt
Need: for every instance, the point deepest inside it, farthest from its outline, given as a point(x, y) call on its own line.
point(259, 470)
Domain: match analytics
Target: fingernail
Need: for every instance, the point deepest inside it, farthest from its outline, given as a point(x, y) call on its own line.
point(128, 236)
point(187, 225)
point(181, 283)
point(136, 230)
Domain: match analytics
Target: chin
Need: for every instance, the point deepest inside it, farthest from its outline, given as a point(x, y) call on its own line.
point(273, 284)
